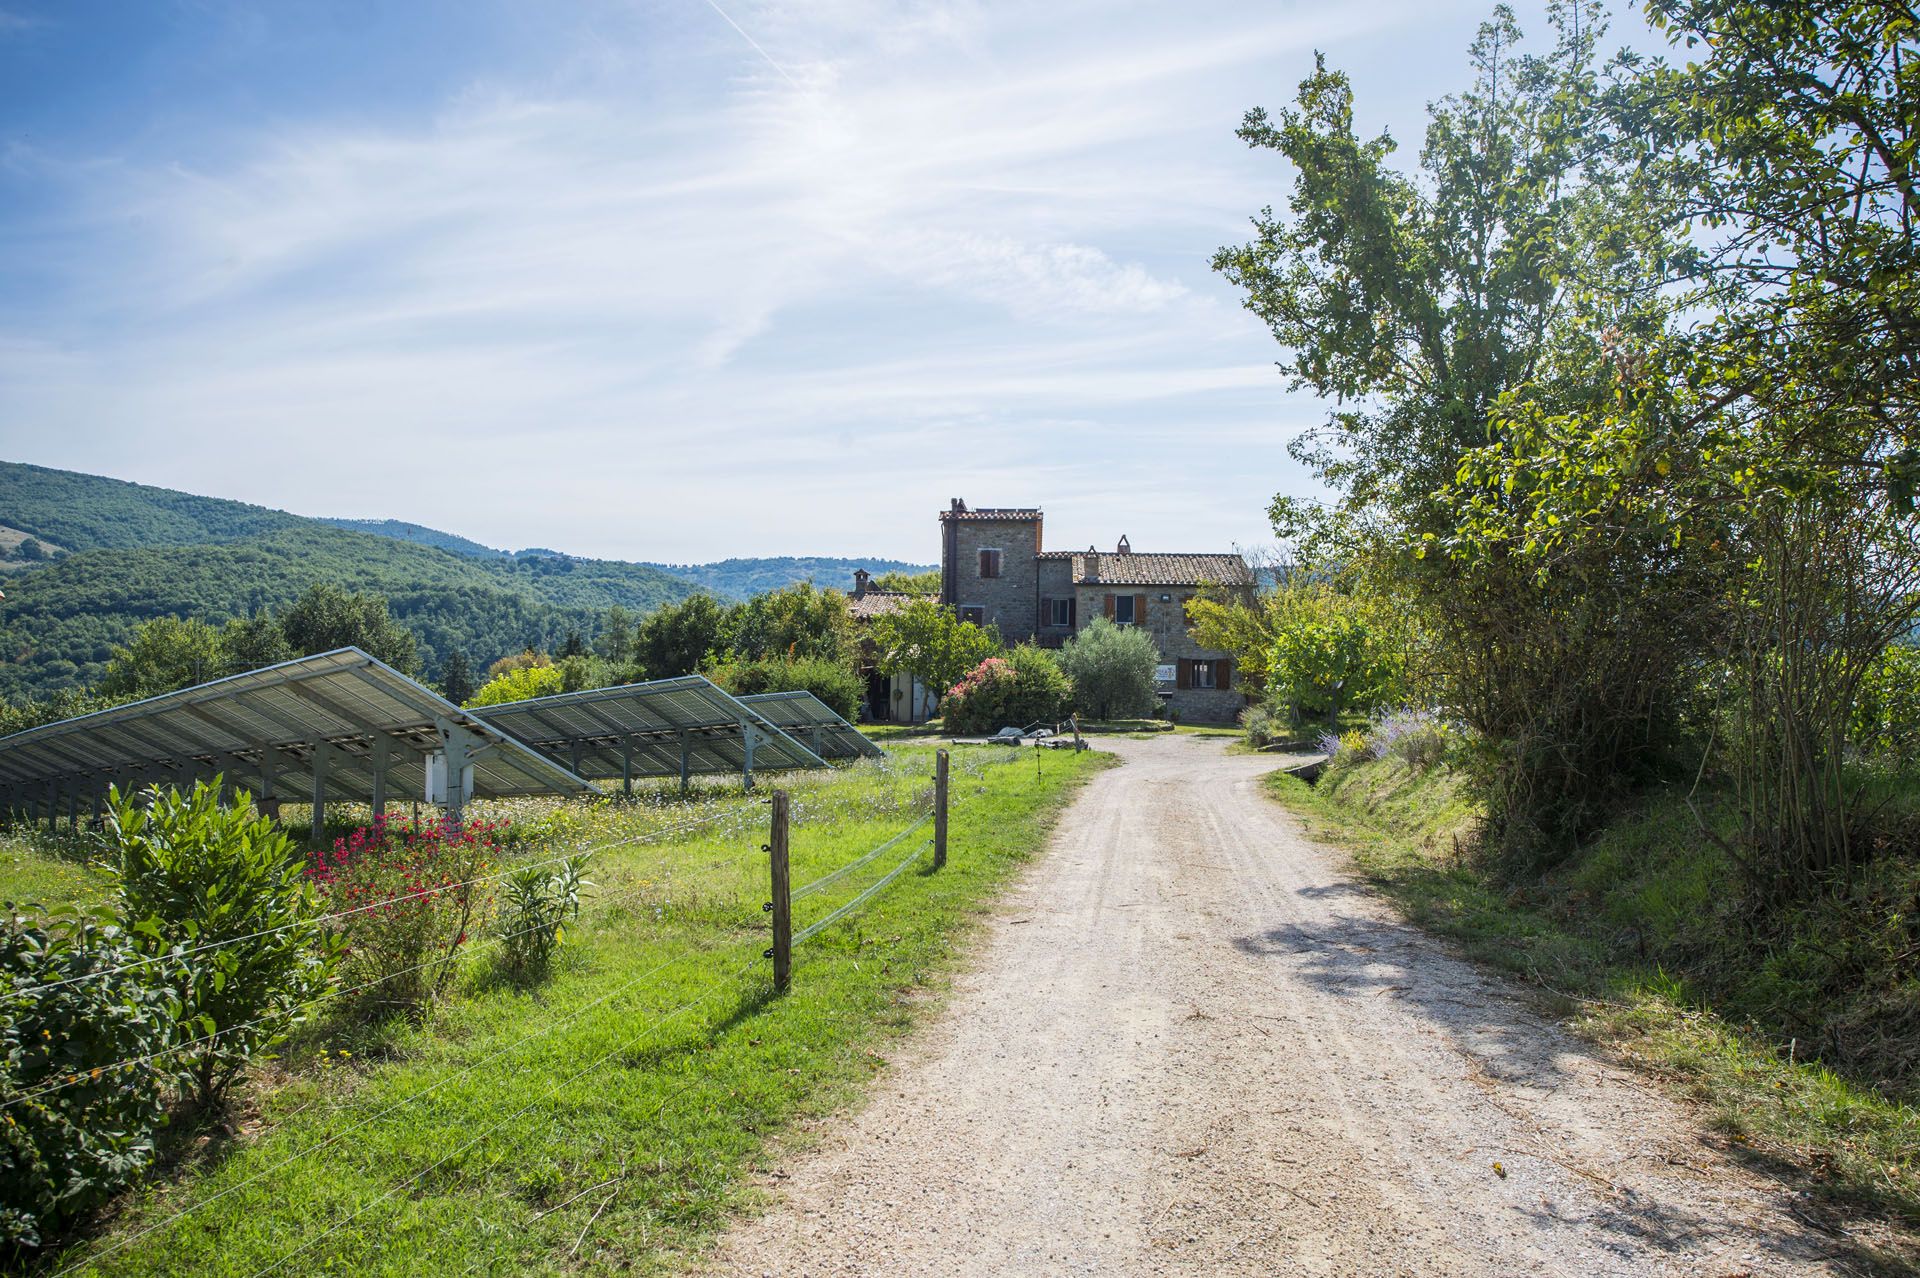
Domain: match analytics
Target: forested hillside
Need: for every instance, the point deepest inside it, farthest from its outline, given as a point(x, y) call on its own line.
point(744, 578)
point(85, 512)
point(61, 620)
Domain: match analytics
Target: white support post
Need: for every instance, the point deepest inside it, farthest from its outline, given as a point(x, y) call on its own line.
point(686, 760)
point(322, 760)
point(381, 743)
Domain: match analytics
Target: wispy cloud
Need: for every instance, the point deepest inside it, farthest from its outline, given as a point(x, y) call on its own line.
point(895, 249)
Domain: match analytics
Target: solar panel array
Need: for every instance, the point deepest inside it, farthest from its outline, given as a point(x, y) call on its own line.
point(339, 725)
point(680, 727)
point(805, 717)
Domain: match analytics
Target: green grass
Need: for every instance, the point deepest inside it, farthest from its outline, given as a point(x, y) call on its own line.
point(606, 1120)
point(55, 871)
point(1631, 941)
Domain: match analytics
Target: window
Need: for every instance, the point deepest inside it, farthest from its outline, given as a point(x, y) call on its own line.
point(1059, 612)
point(974, 613)
point(1123, 614)
point(1202, 676)
point(989, 561)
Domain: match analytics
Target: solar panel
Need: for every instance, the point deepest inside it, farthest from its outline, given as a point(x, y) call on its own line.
point(807, 718)
point(667, 728)
point(339, 725)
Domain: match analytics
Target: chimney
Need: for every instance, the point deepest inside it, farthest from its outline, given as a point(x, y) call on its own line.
point(1093, 564)
point(958, 505)
point(861, 580)
point(1125, 547)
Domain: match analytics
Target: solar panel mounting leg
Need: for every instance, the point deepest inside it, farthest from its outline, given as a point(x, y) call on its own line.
point(626, 766)
point(379, 754)
point(322, 760)
point(686, 761)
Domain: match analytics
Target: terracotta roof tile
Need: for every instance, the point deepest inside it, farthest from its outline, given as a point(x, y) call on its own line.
point(988, 513)
point(877, 603)
point(1137, 568)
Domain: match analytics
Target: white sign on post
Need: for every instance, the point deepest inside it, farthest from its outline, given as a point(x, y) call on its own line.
point(437, 779)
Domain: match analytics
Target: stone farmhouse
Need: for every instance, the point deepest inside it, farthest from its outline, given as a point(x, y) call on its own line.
point(995, 571)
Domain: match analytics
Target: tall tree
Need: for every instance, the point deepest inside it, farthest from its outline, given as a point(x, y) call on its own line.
point(676, 639)
point(456, 681)
point(328, 617)
point(616, 635)
point(249, 643)
point(163, 654)
point(929, 641)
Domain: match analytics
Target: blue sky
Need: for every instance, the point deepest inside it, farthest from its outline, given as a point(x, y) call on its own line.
point(661, 280)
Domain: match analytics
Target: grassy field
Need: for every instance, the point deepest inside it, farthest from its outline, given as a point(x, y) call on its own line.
point(606, 1120)
point(1633, 941)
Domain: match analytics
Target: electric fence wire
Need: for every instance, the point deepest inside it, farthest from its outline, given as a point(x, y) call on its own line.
point(826, 881)
point(337, 1137)
point(815, 928)
point(592, 1065)
point(176, 955)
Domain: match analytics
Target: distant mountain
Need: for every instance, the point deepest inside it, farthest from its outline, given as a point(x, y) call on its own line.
point(136, 552)
point(733, 579)
point(744, 578)
point(119, 553)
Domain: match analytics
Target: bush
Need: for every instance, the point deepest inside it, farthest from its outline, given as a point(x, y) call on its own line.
point(520, 684)
point(1264, 725)
point(1112, 670)
point(1025, 686)
point(408, 901)
point(1333, 651)
point(1417, 737)
point(1886, 713)
point(226, 883)
point(88, 1046)
point(832, 681)
point(540, 901)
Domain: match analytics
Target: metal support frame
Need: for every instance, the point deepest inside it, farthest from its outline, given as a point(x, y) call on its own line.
point(381, 744)
point(686, 761)
point(322, 763)
point(626, 766)
point(750, 736)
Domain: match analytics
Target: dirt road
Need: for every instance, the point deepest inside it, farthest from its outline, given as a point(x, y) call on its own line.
point(1192, 1045)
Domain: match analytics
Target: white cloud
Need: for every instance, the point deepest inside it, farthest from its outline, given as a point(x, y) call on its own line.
point(965, 244)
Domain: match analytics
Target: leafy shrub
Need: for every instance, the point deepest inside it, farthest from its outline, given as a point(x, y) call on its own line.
point(540, 900)
point(1112, 669)
point(408, 901)
point(87, 1060)
point(1416, 736)
point(834, 682)
point(1332, 651)
point(520, 684)
point(1025, 686)
point(1886, 713)
point(226, 884)
point(1264, 725)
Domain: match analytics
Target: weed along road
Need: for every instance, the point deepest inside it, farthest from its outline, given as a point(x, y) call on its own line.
point(1190, 1043)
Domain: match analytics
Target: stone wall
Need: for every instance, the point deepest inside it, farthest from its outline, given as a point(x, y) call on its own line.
point(1011, 599)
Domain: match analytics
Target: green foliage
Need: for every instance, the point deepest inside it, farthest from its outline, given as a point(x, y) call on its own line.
point(1886, 714)
point(223, 886)
point(456, 682)
point(251, 643)
point(521, 684)
point(1112, 670)
point(832, 681)
point(928, 640)
point(1333, 651)
point(85, 512)
point(328, 617)
point(1024, 687)
point(615, 641)
point(537, 904)
point(407, 897)
point(737, 579)
point(679, 638)
point(795, 622)
point(62, 621)
point(68, 703)
point(162, 655)
point(84, 1036)
point(30, 551)
point(909, 582)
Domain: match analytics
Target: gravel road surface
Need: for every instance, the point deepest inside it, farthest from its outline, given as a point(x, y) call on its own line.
point(1191, 1044)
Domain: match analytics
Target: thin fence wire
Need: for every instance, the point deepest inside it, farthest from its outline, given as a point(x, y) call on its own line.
point(826, 881)
point(592, 1065)
point(334, 1139)
point(177, 955)
point(814, 929)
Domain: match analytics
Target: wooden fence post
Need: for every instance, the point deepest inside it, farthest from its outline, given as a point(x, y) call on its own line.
point(782, 903)
point(939, 809)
